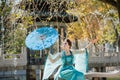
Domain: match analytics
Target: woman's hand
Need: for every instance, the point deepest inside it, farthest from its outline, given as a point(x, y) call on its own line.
point(54, 59)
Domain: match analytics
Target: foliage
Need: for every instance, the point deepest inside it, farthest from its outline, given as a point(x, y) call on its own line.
point(96, 20)
point(109, 31)
point(118, 27)
point(75, 31)
point(15, 24)
point(14, 39)
point(5, 8)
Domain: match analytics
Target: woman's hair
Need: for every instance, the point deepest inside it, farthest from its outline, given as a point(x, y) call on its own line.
point(69, 42)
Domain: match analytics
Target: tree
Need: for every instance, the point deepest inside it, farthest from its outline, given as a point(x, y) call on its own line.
point(95, 19)
point(116, 4)
point(14, 25)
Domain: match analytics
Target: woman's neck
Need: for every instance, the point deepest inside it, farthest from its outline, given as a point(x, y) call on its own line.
point(67, 52)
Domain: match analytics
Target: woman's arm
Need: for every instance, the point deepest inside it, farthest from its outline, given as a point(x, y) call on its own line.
point(78, 50)
point(55, 59)
point(85, 49)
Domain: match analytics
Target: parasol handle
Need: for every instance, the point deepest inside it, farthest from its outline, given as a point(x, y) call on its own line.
point(42, 37)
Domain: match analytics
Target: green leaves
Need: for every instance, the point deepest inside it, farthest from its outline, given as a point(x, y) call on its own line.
point(14, 39)
point(118, 28)
point(4, 8)
point(15, 22)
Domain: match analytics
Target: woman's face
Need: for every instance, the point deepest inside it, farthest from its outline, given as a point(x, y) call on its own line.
point(65, 45)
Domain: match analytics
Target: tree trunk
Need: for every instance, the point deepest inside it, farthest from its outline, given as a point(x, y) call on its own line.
point(76, 44)
point(59, 31)
point(118, 7)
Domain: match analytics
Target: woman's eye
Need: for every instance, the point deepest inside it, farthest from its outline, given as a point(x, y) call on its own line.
point(65, 43)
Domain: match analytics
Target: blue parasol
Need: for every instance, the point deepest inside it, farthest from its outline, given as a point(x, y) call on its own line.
point(41, 38)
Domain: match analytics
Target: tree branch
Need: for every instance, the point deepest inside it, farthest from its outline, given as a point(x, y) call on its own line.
point(111, 2)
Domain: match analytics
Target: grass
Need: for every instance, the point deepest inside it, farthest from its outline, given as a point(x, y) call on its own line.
point(118, 78)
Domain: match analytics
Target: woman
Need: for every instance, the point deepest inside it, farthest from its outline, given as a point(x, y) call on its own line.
point(67, 70)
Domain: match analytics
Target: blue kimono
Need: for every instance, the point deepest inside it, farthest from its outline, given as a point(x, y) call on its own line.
point(67, 70)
